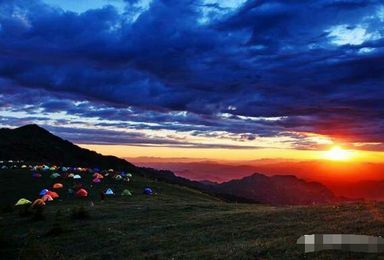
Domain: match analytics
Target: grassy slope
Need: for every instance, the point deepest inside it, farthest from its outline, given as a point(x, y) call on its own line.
point(177, 223)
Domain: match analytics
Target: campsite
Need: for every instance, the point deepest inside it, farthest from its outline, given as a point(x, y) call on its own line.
point(173, 222)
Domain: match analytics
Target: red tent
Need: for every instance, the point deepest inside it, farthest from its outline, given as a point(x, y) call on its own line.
point(53, 194)
point(82, 193)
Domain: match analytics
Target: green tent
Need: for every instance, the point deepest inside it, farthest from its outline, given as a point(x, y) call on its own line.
point(23, 201)
point(55, 175)
point(126, 192)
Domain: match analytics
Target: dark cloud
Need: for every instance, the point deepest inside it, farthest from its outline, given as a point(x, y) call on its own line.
point(317, 64)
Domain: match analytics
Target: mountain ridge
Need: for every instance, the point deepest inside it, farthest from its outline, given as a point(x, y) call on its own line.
point(34, 143)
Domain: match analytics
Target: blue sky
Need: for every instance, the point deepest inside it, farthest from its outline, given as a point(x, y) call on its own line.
point(233, 74)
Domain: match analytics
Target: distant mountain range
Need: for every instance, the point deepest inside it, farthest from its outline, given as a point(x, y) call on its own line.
point(278, 189)
point(351, 179)
point(33, 143)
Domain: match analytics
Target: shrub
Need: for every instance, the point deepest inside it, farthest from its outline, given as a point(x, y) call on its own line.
point(24, 211)
point(38, 214)
point(34, 249)
point(57, 227)
point(7, 208)
point(80, 213)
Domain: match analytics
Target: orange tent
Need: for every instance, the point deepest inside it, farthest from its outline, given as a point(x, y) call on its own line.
point(82, 193)
point(38, 204)
point(53, 194)
point(47, 198)
point(58, 186)
point(98, 176)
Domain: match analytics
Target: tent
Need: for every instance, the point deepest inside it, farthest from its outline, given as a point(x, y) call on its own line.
point(148, 191)
point(54, 176)
point(118, 177)
point(82, 193)
point(38, 203)
point(77, 176)
point(110, 170)
point(96, 180)
point(129, 175)
point(126, 192)
point(43, 192)
point(58, 186)
point(98, 176)
point(64, 169)
point(23, 201)
point(109, 192)
point(36, 175)
point(24, 166)
point(53, 168)
point(53, 194)
point(47, 198)
point(71, 175)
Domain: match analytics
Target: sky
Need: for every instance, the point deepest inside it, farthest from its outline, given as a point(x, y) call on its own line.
point(224, 80)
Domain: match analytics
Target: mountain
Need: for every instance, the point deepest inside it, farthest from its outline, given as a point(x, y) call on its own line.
point(35, 144)
point(278, 189)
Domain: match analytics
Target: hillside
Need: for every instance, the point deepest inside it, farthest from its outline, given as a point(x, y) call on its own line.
point(33, 143)
point(177, 223)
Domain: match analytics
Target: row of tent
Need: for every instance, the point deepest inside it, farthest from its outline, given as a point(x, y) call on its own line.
point(78, 190)
point(47, 195)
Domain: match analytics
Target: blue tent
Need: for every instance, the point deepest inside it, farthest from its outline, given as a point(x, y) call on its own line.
point(109, 192)
point(43, 192)
point(148, 191)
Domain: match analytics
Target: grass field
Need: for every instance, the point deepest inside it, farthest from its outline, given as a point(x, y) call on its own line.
point(176, 223)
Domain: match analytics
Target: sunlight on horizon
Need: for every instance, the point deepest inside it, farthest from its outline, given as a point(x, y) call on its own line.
point(337, 153)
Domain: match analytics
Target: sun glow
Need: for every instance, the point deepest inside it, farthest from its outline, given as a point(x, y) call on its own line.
point(337, 153)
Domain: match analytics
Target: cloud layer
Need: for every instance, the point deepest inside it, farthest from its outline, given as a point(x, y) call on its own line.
point(238, 70)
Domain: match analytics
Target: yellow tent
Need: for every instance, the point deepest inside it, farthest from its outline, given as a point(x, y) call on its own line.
point(23, 201)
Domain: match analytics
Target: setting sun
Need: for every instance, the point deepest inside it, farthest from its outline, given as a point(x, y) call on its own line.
point(336, 153)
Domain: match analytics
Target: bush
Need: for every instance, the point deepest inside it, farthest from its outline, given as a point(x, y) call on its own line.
point(38, 214)
point(34, 249)
point(80, 213)
point(24, 211)
point(7, 208)
point(57, 227)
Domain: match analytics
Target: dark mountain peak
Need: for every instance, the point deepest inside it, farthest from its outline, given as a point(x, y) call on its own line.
point(36, 144)
point(255, 176)
point(32, 129)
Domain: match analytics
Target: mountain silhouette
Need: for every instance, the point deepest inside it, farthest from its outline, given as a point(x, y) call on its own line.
point(278, 189)
point(32, 143)
point(35, 144)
